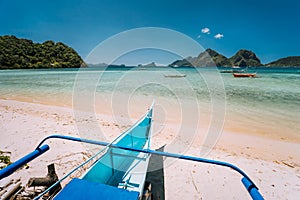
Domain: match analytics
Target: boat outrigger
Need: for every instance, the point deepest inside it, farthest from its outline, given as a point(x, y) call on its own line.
point(120, 171)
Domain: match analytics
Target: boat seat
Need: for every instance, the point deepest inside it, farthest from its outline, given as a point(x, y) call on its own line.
point(83, 189)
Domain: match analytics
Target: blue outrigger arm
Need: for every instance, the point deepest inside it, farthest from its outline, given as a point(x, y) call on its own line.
point(248, 183)
point(23, 161)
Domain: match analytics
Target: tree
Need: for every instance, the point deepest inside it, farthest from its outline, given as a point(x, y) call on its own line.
point(22, 53)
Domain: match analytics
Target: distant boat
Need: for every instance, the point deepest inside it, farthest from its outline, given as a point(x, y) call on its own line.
point(226, 71)
point(142, 68)
point(244, 75)
point(175, 76)
point(231, 71)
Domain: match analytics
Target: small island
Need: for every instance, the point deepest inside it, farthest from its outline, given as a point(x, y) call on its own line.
point(288, 61)
point(18, 53)
point(243, 58)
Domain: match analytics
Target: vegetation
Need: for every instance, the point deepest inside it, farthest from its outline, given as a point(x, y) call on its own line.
point(244, 58)
point(18, 53)
point(186, 62)
point(291, 61)
point(209, 57)
point(217, 58)
point(4, 160)
point(205, 59)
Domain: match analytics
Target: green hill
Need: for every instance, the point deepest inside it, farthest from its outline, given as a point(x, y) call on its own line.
point(209, 57)
point(244, 58)
point(291, 61)
point(18, 53)
point(205, 59)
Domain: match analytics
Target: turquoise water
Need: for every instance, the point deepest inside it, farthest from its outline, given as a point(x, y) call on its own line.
point(273, 97)
point(274, 86)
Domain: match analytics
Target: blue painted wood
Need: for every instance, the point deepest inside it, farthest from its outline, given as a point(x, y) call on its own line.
point(112, 166)
point(80, 189)
point(253, 191)
point(24, 160)
point(149, 151)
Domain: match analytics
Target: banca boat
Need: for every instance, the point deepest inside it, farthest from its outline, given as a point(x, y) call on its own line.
point(120, 171)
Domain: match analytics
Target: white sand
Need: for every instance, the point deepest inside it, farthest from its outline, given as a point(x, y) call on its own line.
point(274, 165)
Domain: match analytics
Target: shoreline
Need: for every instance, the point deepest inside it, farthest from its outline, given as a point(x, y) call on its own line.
point(234, 122)
point(267, 161)
point(225, 137)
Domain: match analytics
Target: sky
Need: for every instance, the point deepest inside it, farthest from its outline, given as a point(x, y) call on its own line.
point(269, 28)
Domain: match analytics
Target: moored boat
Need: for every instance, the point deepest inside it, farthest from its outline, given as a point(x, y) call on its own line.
point(116, 174)
point(120, 171)
point(244, 75)
point(175, 76)
point(231, 71)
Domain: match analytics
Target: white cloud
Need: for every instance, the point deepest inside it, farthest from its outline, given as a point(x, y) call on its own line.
point(219, 36)
point(205, 30)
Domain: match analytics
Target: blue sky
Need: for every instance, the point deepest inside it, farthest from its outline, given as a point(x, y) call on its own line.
point(269, 28)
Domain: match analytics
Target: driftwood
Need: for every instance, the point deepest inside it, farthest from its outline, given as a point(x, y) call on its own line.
point(47, 181)
point(10, 191)
point(287, 164)
point(6, 183)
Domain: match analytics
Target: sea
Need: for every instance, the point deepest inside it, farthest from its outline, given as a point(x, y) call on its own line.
point(268, 104)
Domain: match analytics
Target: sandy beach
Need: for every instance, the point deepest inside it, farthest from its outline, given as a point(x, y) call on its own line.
point(273, 164)
point(224, 77)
